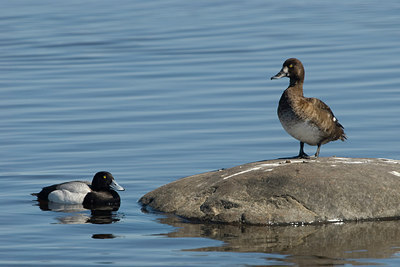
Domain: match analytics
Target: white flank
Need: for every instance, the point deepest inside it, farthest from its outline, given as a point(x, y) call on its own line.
point(66, 197)
point(70, 193)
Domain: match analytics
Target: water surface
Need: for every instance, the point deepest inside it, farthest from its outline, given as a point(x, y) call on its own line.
point(155, 91)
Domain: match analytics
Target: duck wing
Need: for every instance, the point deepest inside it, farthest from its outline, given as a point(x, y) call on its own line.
point(75, 187)
point(320, 114)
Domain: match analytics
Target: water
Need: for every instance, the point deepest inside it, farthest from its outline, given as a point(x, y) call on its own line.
point(157, 90)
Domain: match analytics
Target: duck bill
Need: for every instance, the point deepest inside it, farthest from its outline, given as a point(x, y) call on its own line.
point(283, 73)
point(114, 185)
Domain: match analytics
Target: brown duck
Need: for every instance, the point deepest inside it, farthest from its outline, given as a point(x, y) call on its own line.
point(307, 119)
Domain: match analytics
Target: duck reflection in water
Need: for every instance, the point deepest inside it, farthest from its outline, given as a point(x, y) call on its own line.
point(77, 213)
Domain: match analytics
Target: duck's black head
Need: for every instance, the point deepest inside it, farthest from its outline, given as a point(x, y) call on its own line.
point(292, 68)
point(104, 181)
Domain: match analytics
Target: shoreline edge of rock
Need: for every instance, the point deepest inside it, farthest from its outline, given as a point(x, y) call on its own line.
point(284, 192)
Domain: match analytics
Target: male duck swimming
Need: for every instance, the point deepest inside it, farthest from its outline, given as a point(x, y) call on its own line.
point(100, 192)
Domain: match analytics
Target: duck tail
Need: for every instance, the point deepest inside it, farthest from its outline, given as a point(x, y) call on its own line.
point(342, 135)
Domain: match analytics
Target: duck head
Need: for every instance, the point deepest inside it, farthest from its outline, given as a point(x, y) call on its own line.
point(105, 181)
point(292, 68)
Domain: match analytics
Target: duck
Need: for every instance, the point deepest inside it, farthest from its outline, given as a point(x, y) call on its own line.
point(100, 192)
point(307, 119)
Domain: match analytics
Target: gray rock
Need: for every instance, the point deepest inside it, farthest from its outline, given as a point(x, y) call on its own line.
point(286, 192)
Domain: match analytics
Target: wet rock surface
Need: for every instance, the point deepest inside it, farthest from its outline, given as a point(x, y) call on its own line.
point(278, 192)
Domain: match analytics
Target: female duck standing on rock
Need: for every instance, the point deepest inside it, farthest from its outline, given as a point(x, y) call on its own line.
point(309, 120)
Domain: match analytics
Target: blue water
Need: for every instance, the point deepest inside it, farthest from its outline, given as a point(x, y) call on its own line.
point(153, 91)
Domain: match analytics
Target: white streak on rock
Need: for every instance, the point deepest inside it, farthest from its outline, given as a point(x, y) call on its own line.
point(263, 166)
point(269, 165)
point(342, 158)
point(390, 161)
point(395, 173)
point(245, 171)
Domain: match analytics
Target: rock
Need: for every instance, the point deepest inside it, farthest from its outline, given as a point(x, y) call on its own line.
point(277, 192)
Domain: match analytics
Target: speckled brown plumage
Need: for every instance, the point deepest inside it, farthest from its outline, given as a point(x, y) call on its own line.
point(309, 120)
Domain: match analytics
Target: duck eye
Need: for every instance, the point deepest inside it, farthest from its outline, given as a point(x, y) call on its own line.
point(291, 66)
point(105, 177)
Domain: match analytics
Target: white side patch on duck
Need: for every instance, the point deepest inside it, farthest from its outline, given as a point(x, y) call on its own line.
point(70, 193)
point(67, 197)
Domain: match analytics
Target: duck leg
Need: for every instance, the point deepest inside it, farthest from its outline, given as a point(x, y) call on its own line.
point(317, 153)
point(302, 154)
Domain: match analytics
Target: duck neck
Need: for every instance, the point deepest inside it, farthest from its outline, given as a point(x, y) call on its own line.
point(296, 79)
point(296, 87)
